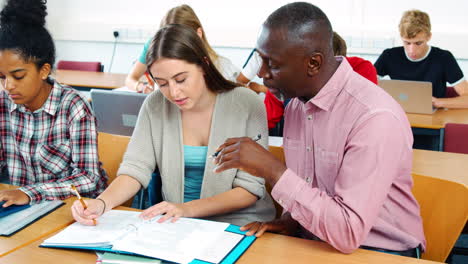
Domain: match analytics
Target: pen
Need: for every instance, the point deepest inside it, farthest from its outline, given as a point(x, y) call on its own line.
point(256, 138)
point(151, 83)
point(75, 191)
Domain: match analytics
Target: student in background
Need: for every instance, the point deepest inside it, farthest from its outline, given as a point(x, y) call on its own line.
point(347, 179)
point(359, 65)
point(274, 106)
point(47, 130)
point(179, 126)
point(418, 61)
point(184, 15)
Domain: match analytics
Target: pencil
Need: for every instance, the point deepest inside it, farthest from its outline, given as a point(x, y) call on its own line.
point(151, 83)
point(256, 138)
point(75, 191)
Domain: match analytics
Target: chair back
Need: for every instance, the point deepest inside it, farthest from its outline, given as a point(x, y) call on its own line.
point(455, 138)
point(279, 154)
point(450, 92)
point(80, 66)
point(444, 212)
point(111, 149)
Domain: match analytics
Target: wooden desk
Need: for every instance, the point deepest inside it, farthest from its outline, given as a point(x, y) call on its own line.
point(433, 125)
point(439, 118)
point(56, 220)
point(443, 165)
point(86, 80)
point(270, 248)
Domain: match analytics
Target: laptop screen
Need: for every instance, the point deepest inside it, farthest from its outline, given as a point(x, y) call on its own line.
point(116, 112)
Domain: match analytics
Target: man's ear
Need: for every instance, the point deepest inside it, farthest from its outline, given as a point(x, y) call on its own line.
point(314, 63)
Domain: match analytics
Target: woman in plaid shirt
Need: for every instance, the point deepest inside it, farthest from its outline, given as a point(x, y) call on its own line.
point(48, 137)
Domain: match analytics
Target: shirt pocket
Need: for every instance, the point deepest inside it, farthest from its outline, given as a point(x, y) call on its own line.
point(55, 159)
point(293, 150)
point(326, 169)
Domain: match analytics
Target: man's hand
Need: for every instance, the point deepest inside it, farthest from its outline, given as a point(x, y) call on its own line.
point(247, 155)
point(436, 102)
point(285, 226)
point(14, 197)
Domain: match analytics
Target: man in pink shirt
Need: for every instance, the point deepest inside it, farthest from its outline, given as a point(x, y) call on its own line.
point(347, 179)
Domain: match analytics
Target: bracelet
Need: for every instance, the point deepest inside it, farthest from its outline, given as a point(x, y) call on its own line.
point(136, 86)
point(104, 210)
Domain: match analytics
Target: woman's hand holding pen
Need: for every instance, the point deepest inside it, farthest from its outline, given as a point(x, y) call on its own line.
point(245, 154)
point(95, 208)
point(143, 87)
point(168, 210)
point(11, 197)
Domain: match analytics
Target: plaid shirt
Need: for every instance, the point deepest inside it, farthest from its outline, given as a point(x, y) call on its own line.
point(47, 150)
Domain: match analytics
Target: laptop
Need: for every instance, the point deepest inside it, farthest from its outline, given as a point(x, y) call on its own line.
point(116, 112)
point(414, 96)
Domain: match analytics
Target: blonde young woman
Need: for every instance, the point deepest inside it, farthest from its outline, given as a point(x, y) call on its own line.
point(183, 15)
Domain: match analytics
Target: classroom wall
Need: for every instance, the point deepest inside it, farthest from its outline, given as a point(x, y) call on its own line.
point(83, 29)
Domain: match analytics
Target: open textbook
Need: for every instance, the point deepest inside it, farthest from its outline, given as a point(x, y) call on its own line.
point(185, 241)
point(23, 216)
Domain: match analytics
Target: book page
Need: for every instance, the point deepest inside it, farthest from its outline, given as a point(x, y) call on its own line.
point(178, 242)
point(110, 226)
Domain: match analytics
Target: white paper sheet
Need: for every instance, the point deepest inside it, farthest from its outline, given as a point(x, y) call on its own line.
point(180, 242)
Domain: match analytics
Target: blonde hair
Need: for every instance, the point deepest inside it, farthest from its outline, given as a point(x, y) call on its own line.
point(414, 22)
point(339, 45)
point(185, 15)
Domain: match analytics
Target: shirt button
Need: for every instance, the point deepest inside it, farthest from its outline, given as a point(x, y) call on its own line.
point(309, 117)
point(308, 179)
point(308, 148)
point(280, 201)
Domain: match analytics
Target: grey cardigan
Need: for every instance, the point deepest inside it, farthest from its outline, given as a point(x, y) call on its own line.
point(157, 142)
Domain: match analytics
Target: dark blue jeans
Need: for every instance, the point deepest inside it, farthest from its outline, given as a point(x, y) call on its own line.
point(414, 252)
point(154, 189)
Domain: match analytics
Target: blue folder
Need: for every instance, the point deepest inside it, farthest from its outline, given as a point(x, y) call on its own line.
point(4, 211)
point(230, 258)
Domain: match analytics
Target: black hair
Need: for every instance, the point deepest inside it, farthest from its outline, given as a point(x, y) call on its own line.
point(176, 41)
point(22, 30)
point(300, 18)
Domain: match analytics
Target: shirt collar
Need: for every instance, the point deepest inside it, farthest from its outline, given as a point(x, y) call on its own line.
point(420, 59)
point(326, 97)
point(51, 104)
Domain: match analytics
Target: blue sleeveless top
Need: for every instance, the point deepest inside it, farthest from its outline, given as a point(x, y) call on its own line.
point(194, 162)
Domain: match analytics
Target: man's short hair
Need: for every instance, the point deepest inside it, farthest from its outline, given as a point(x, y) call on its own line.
point(296, 17)
point(414, 22)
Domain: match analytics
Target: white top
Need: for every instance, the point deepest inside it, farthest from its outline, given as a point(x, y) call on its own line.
point(227, 68)
point(253, 66)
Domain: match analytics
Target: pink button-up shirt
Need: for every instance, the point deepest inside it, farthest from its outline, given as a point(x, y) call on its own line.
point(349, 154)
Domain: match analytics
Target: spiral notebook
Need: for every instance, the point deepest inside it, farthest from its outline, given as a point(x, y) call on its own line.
point(25, 215)
point(187, 240)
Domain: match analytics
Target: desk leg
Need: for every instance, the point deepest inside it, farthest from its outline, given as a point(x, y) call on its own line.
point(441, 139)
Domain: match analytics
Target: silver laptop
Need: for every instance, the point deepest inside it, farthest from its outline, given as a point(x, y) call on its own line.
point(414, 96)
point(116, 112)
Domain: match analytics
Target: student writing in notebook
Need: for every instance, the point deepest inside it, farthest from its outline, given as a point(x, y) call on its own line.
point(184, 15)
point(47, 130)
point(347, 178)
point(416, 60)
point(179, 126)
